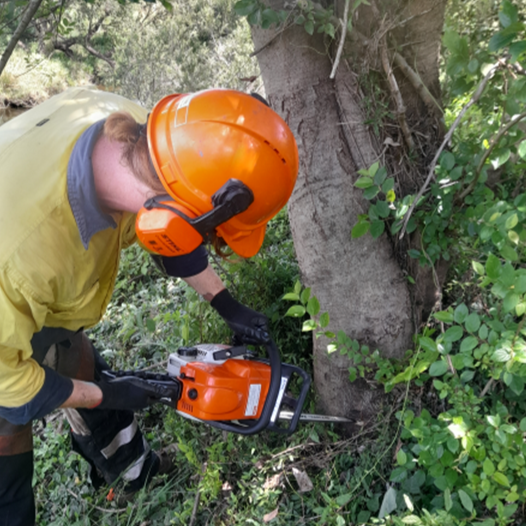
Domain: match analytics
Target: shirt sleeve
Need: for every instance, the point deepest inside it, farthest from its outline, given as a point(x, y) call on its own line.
point(27, 390)
point(184, 266)
point(55, 390)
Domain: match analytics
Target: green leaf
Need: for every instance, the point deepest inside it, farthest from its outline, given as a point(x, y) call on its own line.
point(472, 322)
point(305, 295)
point(324, 320)
point(382, 209)
point(245, 7)
point(401, 457)
point(513, 237)
point(516, 50)
point(460, 313)
point(388, 503)
point(509, 253)
point(390, 196)
point(453, 334)
point(510, 301)
point(478, 268)
point(296, 311)
point(313, 306)
point(412, 519)
point(364, 182)
point(508, 14)
point(377, 228)
point(468, 344)
point(371, 193)
point(409, 503)
point(389, 183)
point(427, 344)
point(308, 325)
point(448, 503)
point(447, 161)
point(291, 296)
point(501, 159)
point(493, 267)
point(521, 150)
point(342, 500)
point(373, 169)
point(517, 384)
point(501, 479)
point(488, 467)
point(501, 356)
point(309, 27)
point(444, 316)
point(500, 40)
point(466, 500)
point(150, 325)
point(523, 425)
point(512, 221)
point(380, 176)
point(438, 368)
point(361, 228)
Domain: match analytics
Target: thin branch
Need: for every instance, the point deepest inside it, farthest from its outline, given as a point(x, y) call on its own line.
point(98, 54)
point(476, 96)
point(395, 92)
point(487, 387)
point(417, 83)
point(487, 153)
point(342, 39)
point(24, 22)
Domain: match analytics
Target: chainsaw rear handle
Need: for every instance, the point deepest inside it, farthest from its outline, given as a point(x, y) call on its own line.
point(252, 427)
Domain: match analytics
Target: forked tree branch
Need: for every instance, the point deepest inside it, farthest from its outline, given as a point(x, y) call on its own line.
point(476, 96)
point(487, 153)
point(24, 22)
point(395, 91)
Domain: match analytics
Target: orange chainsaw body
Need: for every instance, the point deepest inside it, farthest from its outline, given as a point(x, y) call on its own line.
point(233, 390)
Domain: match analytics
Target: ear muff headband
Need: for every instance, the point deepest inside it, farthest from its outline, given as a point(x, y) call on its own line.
point(170, 229)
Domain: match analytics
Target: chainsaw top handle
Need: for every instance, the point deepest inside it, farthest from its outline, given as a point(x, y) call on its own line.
point(252, 427)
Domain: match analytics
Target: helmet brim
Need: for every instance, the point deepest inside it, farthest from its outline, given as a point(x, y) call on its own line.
point(246, 246)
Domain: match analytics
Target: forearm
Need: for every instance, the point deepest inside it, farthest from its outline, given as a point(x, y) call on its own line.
point(84, 395)
point(206, 283)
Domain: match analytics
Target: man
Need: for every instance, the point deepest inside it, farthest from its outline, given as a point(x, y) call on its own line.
point(213, 166)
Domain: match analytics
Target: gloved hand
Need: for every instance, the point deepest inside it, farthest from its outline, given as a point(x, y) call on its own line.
point(250, 326)
point(129, 393)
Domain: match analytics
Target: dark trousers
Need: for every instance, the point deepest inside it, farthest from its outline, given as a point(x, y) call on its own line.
point(109, 440)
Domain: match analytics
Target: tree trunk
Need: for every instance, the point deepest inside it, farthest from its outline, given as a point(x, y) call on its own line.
point(360, 282)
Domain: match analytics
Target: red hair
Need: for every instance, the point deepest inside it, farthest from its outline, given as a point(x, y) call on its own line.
point(123, 128)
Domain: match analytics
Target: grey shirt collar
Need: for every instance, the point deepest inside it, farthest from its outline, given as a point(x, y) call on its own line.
point(81, 187)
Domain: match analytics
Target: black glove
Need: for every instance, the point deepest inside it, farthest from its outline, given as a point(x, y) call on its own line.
point(129, 393)
point(250, 326)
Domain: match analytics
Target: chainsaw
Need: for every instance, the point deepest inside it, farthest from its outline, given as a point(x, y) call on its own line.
point(230, 388)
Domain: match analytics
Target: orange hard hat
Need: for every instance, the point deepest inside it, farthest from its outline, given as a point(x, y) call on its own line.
point(200, 141)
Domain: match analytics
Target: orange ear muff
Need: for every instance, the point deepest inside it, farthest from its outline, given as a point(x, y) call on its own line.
point(165, 232)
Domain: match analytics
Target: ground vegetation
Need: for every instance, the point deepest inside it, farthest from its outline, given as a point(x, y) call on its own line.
point(442, 441)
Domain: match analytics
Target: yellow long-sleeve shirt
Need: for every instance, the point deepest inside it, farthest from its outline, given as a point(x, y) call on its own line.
point(47, 277)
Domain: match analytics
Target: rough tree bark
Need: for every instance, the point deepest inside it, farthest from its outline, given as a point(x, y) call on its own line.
point(361, 283)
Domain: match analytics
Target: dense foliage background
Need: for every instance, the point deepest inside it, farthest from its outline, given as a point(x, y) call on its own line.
point(448, 443)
